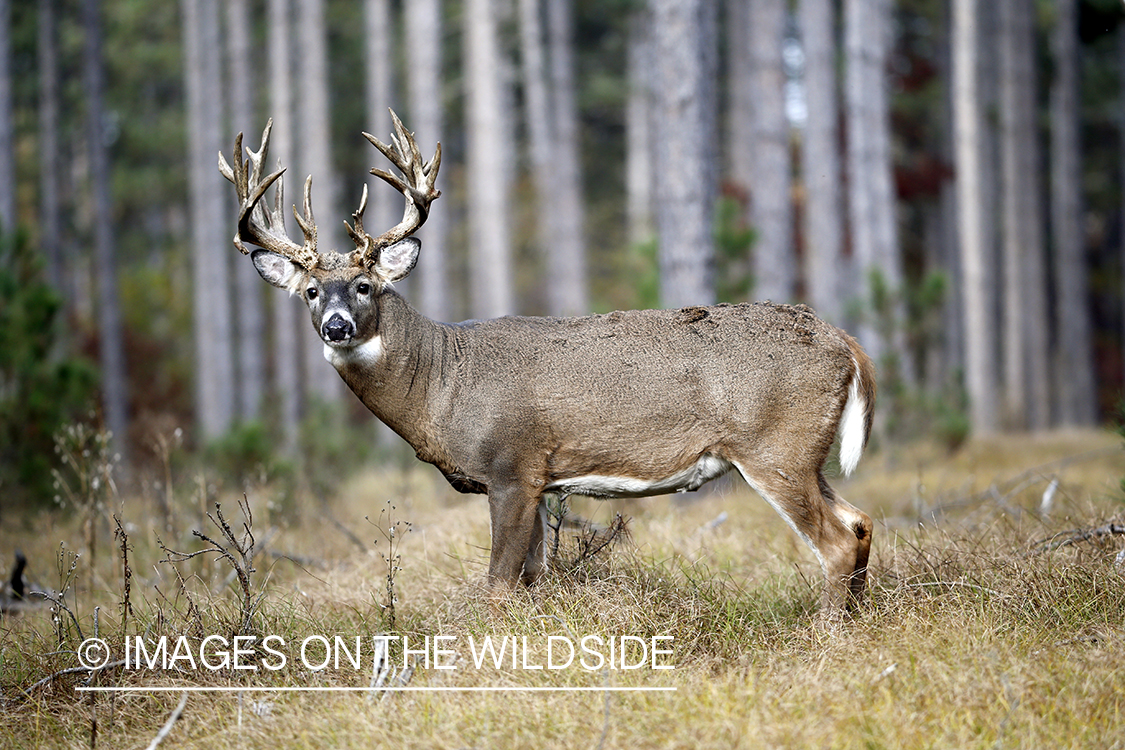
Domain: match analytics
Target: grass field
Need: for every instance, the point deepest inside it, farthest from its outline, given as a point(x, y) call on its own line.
point(989, 623)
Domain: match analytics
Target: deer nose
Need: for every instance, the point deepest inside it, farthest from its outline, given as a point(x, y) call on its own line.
point(338, 328)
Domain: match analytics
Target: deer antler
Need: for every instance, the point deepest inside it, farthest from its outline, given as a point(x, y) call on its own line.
point(255, 224)
point(417, 184)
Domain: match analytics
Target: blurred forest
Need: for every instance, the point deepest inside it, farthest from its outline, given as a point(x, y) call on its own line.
point(943, 178)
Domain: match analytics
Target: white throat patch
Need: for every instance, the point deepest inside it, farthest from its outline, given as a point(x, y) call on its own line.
point(367, 353)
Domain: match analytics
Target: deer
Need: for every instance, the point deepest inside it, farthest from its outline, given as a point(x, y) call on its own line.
point(618, 405)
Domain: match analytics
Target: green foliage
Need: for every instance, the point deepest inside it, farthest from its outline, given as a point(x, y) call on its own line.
point(40, 389)
point(332, 447)
point(911, 411)
point(733, 240)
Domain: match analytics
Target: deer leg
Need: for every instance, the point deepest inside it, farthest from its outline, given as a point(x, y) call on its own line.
point(838, 534)
point(535, 563)
point(513, 513)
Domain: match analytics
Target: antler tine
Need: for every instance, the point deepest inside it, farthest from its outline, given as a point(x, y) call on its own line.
point(416, 184)
point(257, 225)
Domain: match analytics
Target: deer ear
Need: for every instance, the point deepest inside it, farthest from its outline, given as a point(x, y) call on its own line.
point(397, 260)
point(277, 270)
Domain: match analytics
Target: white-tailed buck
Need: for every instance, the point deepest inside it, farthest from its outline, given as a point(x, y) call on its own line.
point(621, 405)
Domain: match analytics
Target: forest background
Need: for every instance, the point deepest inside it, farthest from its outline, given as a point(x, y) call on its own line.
point(944, 178)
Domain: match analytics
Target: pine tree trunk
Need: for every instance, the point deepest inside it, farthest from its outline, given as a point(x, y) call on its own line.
point(249, 301)
point(871, 199)
point(540, 139)
point(384, 206)
point(567, 294)
point(314, 157)
point(50, 221)
point(111, 345)
point(286, 310)
point(1075, 367)
point(1026, 323)
point(979, 332)
point(489, 165)
point(639, 128)
point(684, 34)
point(820, 163)
point(210, 254)
point(424, 48)
point(769, 178)
point(7, 134)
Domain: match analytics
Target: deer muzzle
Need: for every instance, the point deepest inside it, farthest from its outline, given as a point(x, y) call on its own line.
point(337, 329)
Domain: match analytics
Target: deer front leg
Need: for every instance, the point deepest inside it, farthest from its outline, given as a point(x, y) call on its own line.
point(514, 516)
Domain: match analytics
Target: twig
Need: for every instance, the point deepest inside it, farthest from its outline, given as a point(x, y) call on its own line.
point(1067, 538)
point(164, 730)
point(72, 670)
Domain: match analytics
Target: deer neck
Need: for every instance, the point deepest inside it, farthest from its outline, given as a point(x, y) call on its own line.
point(398, 375)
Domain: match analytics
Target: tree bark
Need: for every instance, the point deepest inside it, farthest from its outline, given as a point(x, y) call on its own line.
point(210, 256)
point(286, 311)
point(820, 163)
point(1074, 367)
point(979, 332)
point(111, 348)
point(315, 157)
point(384, 202)
point(489, 166)
point(685, 108)
point(567, 294)
point(249, 301)
point(769, 178)
point(639, 127)
point(50, 221)
point(424, 48)
point(1026, 322)
point(7, 134)
point(871, 198)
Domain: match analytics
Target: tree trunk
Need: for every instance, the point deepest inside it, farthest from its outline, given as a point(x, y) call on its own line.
point(384, 207)
point(1026, 323)
point(979, 332)
point(424, 47)
point(871, 198)
point(1075, 368)
point(249, 301)
point(540, 143)
point(315, 158)
point(50, 221)
point(820, 162)
point(567, 294)
point(769, 176)
point(639, 128)
point(489, 166)
point(210, 253)
point(286, 311)
point(686, 172)
point(7, 135)
point(111, 348)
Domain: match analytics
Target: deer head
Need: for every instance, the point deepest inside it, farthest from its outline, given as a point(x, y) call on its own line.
point(340, 289)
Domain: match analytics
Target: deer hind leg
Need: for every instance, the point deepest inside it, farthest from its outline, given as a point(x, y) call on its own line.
point(838, 533)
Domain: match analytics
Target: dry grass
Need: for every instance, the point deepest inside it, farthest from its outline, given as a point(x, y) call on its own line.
point(977, 634)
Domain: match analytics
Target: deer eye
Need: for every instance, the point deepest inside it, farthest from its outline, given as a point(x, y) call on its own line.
point(311, 292)
point(364, 288)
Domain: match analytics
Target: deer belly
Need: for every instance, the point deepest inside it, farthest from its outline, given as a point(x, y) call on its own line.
point(692, 478)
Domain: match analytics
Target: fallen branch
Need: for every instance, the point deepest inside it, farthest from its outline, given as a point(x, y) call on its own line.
point(172, 719)
point(1067, 538)
point(72, 670)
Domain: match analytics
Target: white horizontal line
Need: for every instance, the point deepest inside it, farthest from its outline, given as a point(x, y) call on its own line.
point(406, 689)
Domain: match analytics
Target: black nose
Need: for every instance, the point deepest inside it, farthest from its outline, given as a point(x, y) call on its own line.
point(338, 329)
